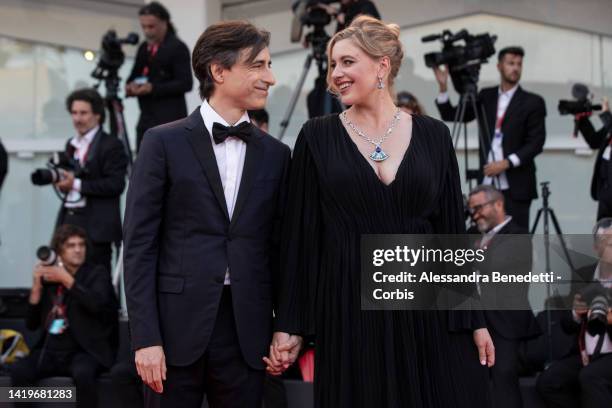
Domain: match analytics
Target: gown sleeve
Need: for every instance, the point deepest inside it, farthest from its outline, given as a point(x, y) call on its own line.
point(300, 253)
point(450, 219)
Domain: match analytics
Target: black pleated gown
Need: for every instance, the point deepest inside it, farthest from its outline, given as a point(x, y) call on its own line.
point(413, 359)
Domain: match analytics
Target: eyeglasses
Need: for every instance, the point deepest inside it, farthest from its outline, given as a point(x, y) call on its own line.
point(473, 210)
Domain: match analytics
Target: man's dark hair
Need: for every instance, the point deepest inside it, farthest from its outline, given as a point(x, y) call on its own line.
point(514, 50)
point(91, 96)
point(260, 116)
point(63, 233)
point(222, 43)
point(158, 10)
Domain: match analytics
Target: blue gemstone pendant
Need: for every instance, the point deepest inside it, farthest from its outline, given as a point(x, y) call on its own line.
point(379, 155)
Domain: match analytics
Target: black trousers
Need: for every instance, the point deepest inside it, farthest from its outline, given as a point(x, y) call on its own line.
point(98, 253)
point(505, 373)
point(221, 373)
point(518, 209)
point(127, 384)
point(82, 367)
point(567, 384)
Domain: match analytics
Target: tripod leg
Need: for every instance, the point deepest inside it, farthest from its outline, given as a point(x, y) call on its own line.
point(459, 114)
point(535, 223)
point(562, 240)
point(294, 98)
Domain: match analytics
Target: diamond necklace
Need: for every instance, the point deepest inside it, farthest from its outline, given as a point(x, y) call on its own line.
point(378, 154)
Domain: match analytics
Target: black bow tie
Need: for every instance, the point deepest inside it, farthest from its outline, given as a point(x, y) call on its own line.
point(242, 131)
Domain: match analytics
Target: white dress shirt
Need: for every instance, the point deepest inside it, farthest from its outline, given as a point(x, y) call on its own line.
point(81, 150)
point(230, 159)
point(497, 151)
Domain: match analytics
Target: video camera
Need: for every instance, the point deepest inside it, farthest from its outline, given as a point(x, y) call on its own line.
point(463, 61)
point(582, 102)
point(112, 55)
point(53, 173)
point(305, 13)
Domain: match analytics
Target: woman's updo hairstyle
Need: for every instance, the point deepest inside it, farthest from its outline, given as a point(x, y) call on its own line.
point(376, 39)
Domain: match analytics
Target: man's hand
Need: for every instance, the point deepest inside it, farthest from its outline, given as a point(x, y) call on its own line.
point(486, 349)
point(57, 274)
point(151, 367)
point(36, 291)
point(284, 350)
point(130, 89)
point(579, 306)
point(441, 77)
point(605, 104)
point(496, 167)
point(65, 184)
point(610, 316)
point(142, 89)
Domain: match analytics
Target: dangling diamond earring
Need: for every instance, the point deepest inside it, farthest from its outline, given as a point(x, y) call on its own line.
point(380, 83)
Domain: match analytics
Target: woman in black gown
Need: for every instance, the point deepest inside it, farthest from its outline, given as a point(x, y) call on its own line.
point(342, 186)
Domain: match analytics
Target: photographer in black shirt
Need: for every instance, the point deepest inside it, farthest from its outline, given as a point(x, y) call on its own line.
point(74, 303)
point(601, 182)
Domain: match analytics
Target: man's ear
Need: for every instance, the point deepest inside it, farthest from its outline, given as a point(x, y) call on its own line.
point(216, 71)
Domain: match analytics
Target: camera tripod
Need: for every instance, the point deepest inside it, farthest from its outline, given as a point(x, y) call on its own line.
point(114, 105)
point(469, 100)
point(318, 40)
point(545, 213)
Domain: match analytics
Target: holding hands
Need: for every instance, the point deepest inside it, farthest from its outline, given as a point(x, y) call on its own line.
point(284, 350)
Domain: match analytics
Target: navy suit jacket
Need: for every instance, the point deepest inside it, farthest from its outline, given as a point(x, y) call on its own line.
point(179, 240)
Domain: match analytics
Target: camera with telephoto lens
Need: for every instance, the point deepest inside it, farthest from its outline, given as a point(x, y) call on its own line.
point(112, 55)
point(46, 255)
point(599, 300)
point(582, 102)
point(53, 173)
point(463, 61)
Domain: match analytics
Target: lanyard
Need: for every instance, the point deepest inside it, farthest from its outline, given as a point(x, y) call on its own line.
point(152, 51)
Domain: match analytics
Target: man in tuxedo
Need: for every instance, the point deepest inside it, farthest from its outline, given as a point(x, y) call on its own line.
point(75, 304)
point(161, 74)
point(601, 182)
point(516, 120)
point(584, 377)
point(94, 188)
point(515, 322)
point(201, 228)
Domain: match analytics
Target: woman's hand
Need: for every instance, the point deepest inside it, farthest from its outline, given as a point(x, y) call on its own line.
point(486, 350)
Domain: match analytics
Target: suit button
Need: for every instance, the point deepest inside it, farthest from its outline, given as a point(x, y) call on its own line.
point(220, 279)
point(229, 238)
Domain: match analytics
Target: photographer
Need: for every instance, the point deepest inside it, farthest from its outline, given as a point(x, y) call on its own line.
point(585, 377)
point(516, 120)
point(94, 187)
point(162, 71)
point(74, 303)
point(349, 9)
point(601, 182)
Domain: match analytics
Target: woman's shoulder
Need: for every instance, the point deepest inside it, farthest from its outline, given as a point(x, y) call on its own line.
point(321, 123)
point(435, 130)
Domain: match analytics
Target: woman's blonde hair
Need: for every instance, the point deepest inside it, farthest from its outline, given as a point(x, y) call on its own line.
point(376, 39)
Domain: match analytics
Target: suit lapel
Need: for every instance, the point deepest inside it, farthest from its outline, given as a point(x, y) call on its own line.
point(252, 163)
point(203, 149)
point(93, 147)
point(514, 104)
